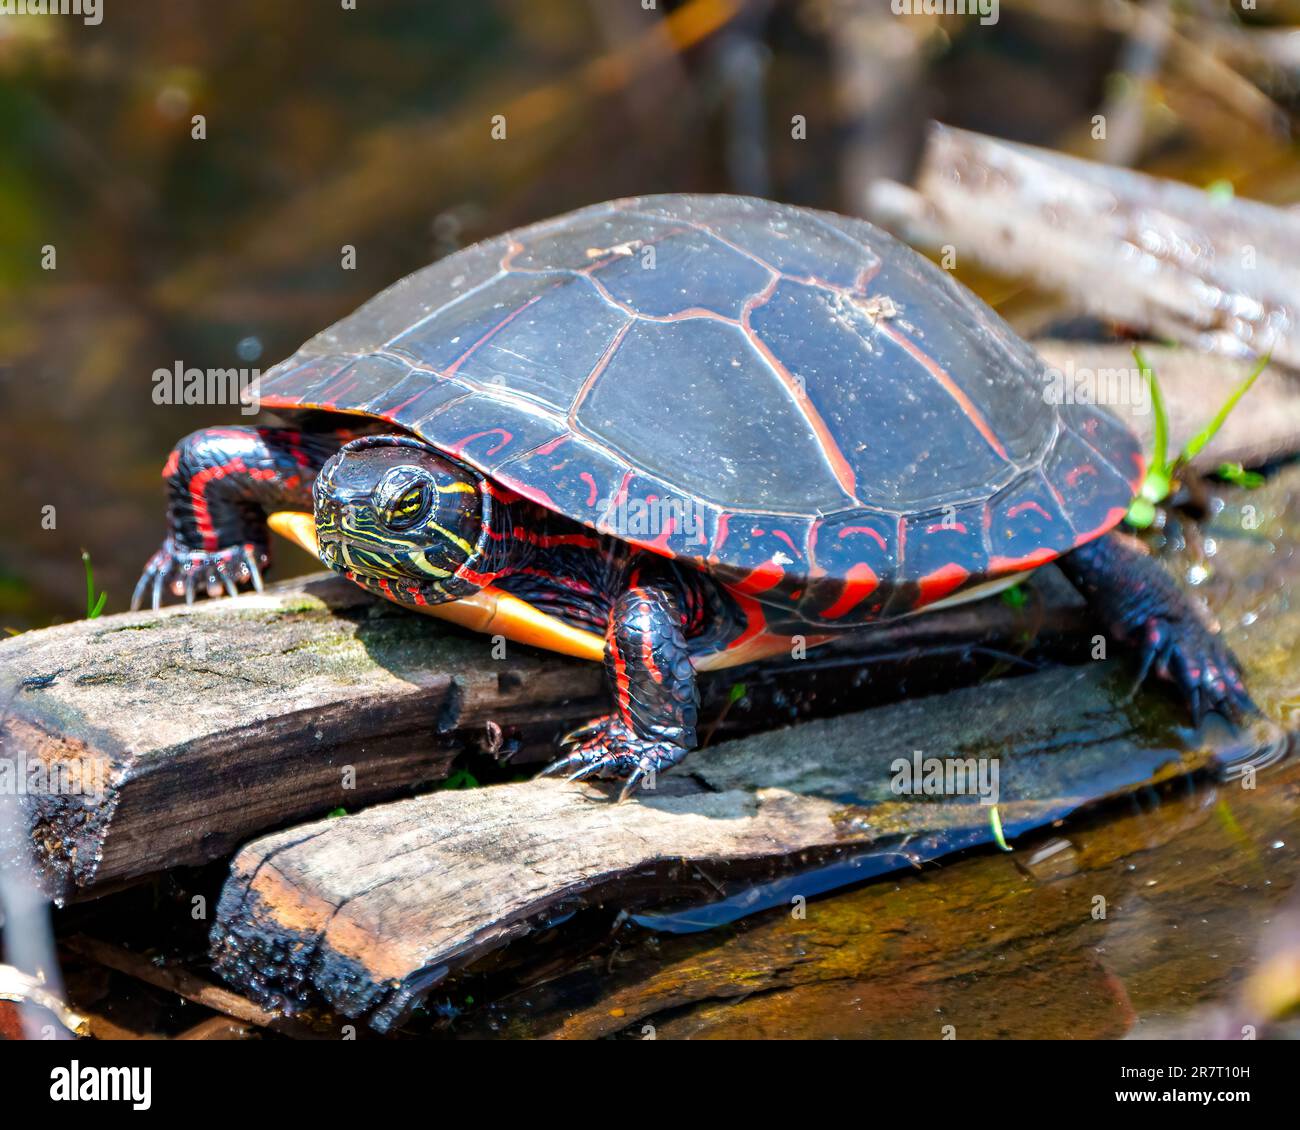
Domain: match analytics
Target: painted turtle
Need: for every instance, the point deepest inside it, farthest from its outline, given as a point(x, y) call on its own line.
point(672, 433)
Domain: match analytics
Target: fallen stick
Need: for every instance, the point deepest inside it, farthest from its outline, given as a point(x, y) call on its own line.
point(184, 984)
point(1219, 275)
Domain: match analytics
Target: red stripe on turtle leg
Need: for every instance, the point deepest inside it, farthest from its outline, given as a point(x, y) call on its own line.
point(648, 664)
point(617, 668)
point(198, 488)
point(222, 481)
point(648, 647)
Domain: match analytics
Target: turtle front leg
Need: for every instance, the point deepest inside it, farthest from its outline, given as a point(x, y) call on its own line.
point(221, 485)
point(1140, 605)
point(655, 698)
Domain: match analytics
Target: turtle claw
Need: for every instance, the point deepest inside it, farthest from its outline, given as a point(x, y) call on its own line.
point(254, 570)
point(608, 747)
point(140, 585)
point(632, 784)
point(584, 732)
point(182, 570)
point(1199, 666)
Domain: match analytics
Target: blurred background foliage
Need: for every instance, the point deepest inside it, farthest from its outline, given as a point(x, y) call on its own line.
point(372, 128)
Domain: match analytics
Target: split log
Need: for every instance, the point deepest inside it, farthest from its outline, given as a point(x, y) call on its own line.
point(1215, 274)
point(188, 730)
point(193, 730)
point(371, 911)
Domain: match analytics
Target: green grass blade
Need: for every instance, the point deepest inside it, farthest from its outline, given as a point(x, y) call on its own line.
point(1207, 433)
point(1236, 474)
point(93, 607)
point(1160, 442)
point(995, 823)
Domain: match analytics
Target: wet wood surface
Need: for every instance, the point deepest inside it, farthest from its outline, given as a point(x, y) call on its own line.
point(193, 729)
point(374, 909)
point(997, 946)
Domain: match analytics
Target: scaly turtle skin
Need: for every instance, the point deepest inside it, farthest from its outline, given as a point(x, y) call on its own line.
point(676, 432)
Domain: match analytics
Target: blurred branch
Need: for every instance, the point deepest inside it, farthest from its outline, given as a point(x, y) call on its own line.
point(442, 157)
point(1271, 56)
point(879, 66)
point(1222, 275)
point(30, 978)
point(1192, 60)
point(741, 60)
point(1155, 34)
point(658, 79)
point(1146, 44)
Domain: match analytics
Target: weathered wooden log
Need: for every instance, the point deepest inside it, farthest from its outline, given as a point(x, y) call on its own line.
point(159, 739)
point(1166, 257)
point(996, 946)
point(191, 730)
point(372, 910)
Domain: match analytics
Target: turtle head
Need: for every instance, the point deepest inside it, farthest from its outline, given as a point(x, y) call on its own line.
point(401, 519)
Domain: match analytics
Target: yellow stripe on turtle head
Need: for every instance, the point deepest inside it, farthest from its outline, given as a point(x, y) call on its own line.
point(490, 610)
point(460, 542)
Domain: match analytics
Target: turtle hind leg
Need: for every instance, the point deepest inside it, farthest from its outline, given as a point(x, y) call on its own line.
point(1139, 604)
point(655, 697)
point(221, 485)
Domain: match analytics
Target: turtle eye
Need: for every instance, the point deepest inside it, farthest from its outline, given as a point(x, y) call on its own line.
point(407, 508)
